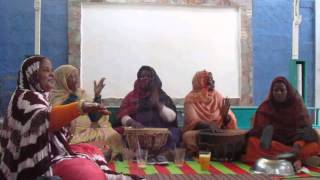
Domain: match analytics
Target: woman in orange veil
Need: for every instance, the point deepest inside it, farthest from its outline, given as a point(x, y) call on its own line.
point(204, 106)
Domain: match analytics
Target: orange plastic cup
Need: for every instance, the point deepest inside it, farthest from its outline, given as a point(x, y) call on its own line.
point(204, 160)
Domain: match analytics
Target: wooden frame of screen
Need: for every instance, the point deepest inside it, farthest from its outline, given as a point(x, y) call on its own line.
point(245, 7)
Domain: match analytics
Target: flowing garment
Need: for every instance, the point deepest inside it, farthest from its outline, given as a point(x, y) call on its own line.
point(30, 147)
point(286, 118)
point(24, 135)
point(138, 106)
point(92, 128)
point(202, 106)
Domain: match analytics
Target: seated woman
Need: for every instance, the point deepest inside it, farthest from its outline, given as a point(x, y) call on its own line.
point(92, 128)
point(282, 124)
point(149, 106)
point(204, 107)
point(33, 138)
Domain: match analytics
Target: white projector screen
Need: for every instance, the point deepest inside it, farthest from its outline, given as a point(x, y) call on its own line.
point(177, 41)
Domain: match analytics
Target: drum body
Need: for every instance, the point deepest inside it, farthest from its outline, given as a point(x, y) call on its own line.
point(225, 145)
point(151, 139)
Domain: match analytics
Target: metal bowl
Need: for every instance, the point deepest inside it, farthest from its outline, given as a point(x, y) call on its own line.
point(273, 167)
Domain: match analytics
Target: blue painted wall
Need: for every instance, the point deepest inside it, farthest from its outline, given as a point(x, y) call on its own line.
point(17, 38)
point(307, 45)
point(272, 37)
point(271, 27)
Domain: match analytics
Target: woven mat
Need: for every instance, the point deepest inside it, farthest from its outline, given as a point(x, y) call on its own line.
point(193, 168)
point(207, 177)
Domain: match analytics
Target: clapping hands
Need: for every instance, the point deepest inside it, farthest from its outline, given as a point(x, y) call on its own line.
point(155, 99)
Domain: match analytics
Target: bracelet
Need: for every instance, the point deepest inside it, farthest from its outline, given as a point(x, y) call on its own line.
point(97, 99)
point(80, 105)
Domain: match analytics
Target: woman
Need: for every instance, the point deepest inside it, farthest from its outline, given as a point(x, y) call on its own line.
point(149, 106)
point(205, 107)
point(33, 138)
point(92, 128)
point(282, 124)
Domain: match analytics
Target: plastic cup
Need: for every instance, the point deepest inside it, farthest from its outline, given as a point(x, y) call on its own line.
point(179, 155)
point(142, 157)
point(204, 160)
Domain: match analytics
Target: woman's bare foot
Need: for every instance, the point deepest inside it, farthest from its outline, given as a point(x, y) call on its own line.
point(297, 165)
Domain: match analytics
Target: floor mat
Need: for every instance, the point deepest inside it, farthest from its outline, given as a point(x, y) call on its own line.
point(208, 177)
point(193, 168)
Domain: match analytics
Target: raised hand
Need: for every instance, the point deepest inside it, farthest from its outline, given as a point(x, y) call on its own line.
point(225, 108)
point(155, 99)
point(98, 87)
point(224, 112)
point(88, 107)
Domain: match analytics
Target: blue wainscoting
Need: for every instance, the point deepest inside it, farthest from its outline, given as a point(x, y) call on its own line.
point(244, 115)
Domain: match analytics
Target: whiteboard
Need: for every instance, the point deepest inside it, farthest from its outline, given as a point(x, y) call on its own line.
point(177, 41)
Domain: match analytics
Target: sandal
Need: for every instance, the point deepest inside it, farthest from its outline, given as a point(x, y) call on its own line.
point(161, 160)
point(152, 160)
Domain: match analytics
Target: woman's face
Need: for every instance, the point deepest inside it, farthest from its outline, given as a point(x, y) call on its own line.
point(145, 74)
point(279, 92)
point(210, 82)
point(46, 75)
point(144, 78)
point(73, 81)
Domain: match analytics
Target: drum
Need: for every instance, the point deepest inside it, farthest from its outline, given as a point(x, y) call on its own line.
point(225, 145)
point(151, 139)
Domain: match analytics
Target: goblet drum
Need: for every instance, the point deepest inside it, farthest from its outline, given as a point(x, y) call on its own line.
point(151, 139)
point(225, 145)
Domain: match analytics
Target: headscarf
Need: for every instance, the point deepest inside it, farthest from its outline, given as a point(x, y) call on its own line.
point(24, 136)
point(285, 117)
point(61, 149)
point(139, 98)
point(200, 88)
point(204, 105)
point(61, 91)
point(28, 77)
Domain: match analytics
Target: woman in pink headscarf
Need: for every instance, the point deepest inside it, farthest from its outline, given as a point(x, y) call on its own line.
point(204, 106)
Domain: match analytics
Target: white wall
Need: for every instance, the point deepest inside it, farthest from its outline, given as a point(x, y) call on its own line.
point(116, 40)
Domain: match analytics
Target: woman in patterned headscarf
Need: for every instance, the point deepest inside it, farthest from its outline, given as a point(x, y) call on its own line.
point(282, 124)
point(94, 128)
point(204, 106)
point(33, 138)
